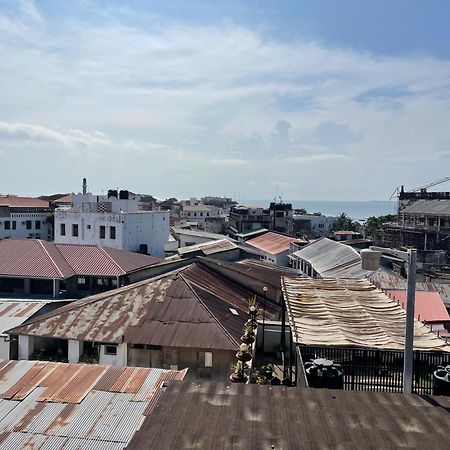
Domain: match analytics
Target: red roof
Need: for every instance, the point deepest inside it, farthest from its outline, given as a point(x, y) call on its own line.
point(429, 306)
point(273, 243)
point(22, 202)
point(41, 259)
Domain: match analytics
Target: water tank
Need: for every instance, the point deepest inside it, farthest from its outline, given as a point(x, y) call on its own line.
point(124, 195)
point(112, 193)
point(323, 373)
point(441, 381)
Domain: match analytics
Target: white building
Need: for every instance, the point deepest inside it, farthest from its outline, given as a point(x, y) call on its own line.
point(114, 221)
point(195, 211)
point(24, 217)
point(312, 225)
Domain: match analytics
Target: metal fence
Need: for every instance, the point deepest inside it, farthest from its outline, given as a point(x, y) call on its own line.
point(380, 370)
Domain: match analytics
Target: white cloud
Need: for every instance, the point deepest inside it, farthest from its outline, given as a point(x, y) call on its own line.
point(201, 103)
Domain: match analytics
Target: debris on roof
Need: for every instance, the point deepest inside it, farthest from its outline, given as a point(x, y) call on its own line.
point(49, 405)
point(250, 416)
point(350, 313)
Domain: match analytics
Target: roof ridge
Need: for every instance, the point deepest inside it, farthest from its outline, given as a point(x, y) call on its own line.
point(111, 258)
point(93, 298)
point(224, 330)
point(39, 241)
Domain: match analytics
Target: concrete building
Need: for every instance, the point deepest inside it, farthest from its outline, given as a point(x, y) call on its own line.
point(205, 217)
point(115, 221)
point(246, 219)
point(312, 225)
point(24, 217)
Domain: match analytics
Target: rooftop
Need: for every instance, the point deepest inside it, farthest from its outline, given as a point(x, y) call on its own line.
point(48, 405)
point(14, 313)
point(208, 248)
point(273, 243)
point(249, 416)
point(428, 207)
point(35, 258)
point(350, 313)
point(429, 306)
point(332, 259)
point(189, 307)
point(22, 202)
point(198, 233)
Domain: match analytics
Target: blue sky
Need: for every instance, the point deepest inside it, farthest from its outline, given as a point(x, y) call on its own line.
point(324, 99)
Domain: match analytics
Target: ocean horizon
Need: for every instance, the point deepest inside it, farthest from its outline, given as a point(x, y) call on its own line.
point(357, 210)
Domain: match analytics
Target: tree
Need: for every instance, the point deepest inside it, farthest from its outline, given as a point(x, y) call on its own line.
point(300, 211)
point(344, 223)
point(374, 224)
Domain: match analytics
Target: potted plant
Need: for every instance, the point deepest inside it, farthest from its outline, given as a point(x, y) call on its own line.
point(238, 375)
point(249, 334)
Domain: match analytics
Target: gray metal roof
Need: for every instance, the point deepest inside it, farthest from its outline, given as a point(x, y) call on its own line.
point(248, 416)
point(429, 207)
point(331, 259)
point(50, 406)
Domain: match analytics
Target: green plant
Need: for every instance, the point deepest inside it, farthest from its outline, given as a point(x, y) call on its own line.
point(248, 329)
point(238, 367)
point(253, 302)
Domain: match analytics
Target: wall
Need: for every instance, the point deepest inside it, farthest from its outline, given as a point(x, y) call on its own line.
point(21, 230)
point(120, 359)
point(4, 347)
point(132, 229)
point(186, 357)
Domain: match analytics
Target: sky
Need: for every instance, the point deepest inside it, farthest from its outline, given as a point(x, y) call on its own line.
point(310, 99)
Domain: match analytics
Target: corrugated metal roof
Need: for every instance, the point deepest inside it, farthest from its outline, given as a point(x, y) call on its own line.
point(248, 416)
point(162, 311)
point(428, 207)
point(13, 313)
point(65, 406)
point(22, 202)
point(273, 243)
point(350, 313)
point(332, 259)
point(208, 248)
point(429, 306)
point(42, 259)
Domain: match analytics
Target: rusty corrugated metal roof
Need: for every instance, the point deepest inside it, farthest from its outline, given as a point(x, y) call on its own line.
point(273, 243)
point(60, 405)
point(35, 258)
point(161, 311)
point(248, 416)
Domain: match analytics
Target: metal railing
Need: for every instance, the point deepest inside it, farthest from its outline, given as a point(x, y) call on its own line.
point(380, 370)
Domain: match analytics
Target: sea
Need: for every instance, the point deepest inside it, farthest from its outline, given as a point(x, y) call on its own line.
point(357, 210)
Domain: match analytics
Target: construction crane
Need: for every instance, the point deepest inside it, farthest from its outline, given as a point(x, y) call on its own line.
point(431, 184)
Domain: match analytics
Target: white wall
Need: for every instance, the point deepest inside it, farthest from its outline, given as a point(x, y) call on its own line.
point(74, 350)
point(120, 359)
point(21, 230)
point(132, 229)
point(26, 346)
point(4, 347)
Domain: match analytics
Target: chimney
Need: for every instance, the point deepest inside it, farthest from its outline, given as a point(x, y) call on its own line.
point(84, 186)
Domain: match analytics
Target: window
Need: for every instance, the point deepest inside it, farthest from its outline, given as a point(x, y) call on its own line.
point(112, 232)
point(204, 359)
point(28, 224)
point(7, 225)
point(201, 214)
point(88, 227)
point(62, 230)
point(38, 224)
point(110, 350)
point(102, 231)
point(75, 230)
point(13, 224)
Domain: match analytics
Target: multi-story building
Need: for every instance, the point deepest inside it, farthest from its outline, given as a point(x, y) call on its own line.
point(114, 220)
point(24, 217)
point(423, 221)
point(245, 219)
point(312, 225)
point(195, 212)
